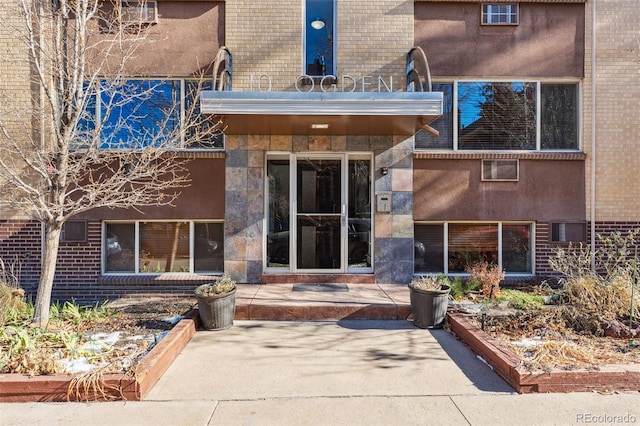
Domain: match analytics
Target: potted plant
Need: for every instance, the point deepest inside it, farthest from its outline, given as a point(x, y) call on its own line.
point(429, 300)
point(217, 303)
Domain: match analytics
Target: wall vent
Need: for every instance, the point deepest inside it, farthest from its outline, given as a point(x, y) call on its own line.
point(500, 170)
point(568, 232)
point(74, 231)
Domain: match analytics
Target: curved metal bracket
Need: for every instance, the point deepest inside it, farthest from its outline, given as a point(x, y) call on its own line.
point(222, 70)
point(417, 64)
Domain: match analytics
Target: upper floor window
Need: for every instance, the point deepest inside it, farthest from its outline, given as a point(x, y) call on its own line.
point(319, 38)
point(500, 14)
point(531, 116)
point(139, 11)
point(138, 113)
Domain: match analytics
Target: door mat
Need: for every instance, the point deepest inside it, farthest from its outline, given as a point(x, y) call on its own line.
point(320, 287)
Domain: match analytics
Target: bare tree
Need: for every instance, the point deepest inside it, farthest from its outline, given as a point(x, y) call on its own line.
point(89, 137)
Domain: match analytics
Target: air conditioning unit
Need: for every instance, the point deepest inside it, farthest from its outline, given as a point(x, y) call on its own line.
point(74, 231)
point(500, 170)
point(139, 12)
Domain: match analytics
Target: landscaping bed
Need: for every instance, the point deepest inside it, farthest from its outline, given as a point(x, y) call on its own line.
point(158, 344)
point(527, 378)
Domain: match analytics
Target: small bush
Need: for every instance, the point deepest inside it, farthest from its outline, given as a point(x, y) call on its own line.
point(461, 287)
point(489, 276)
point(520, 300)
point(592, 295)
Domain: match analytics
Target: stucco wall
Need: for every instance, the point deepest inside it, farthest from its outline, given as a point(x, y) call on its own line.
point(548, 42)
point(452, 190)
point(183, 42)
point(202, 199)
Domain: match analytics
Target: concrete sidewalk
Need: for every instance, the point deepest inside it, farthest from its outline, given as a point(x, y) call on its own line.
point(332, 373)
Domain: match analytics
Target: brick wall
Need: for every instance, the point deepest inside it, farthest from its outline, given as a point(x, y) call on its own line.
point(78, 267)
point(370, 40)
point(545, 249)
point(617, 134)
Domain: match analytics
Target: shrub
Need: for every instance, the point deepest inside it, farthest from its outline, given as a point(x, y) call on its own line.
point(598, 285)
point(461, 287)
point(521, 300)
point(489, 276)
point(12, 303)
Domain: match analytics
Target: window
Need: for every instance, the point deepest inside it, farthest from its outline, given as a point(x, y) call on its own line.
point(450, 247)
point(74, 231)
point(500, 14)
point(319, 38)
point(139, 11)
point(568, 232)
point(139, 113)
point(529, 116)
point(500, 170)
point(159, 247)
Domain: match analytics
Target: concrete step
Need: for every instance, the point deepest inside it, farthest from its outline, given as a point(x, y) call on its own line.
point(322, 301)
point(319, 278)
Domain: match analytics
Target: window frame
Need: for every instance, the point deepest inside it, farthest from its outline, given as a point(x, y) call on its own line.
point(500, 248)
point(143, 7)
point(306, 32)
point(455, 113)
point(486, 14)
point(136, 250)
point(95, 107)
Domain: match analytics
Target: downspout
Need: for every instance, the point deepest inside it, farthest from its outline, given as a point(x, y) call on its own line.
point(41, 35)
point(593, 129)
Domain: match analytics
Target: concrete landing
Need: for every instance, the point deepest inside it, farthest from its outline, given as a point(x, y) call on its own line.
point(322, 301)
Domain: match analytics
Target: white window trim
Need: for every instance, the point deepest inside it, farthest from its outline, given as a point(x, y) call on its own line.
point(445, 242)
point(455, 82)
point(136, 223)
point(490, 14)
point(143, 7)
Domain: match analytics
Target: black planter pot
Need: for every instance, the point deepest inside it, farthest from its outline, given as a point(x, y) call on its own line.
point(429, 307)
point(217, 311)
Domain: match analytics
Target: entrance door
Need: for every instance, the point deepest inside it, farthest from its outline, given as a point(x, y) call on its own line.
point(319, 212)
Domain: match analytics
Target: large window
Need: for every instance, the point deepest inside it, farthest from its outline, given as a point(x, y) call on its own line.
point(138, 113)
point(530, 116)
point(450, 247)
point(319, 38)
point(158, 247)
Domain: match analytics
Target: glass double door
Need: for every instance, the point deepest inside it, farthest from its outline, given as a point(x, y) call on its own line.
point(319, 212)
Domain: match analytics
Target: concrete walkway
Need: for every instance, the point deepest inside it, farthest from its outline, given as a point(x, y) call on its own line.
point(332, 373)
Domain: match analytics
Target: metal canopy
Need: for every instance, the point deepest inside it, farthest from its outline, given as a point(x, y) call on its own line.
point(322, 113)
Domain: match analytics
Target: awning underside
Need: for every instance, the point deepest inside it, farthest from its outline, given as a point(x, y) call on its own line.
point(324, 113)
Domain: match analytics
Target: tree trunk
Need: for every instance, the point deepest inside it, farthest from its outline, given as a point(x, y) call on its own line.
point(47, 273)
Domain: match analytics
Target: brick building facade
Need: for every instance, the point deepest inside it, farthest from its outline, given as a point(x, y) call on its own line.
point(505, 194)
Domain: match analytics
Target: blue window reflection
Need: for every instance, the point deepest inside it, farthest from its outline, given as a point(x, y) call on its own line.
point(319, 45)
point(497, 115)
point(139, 113)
